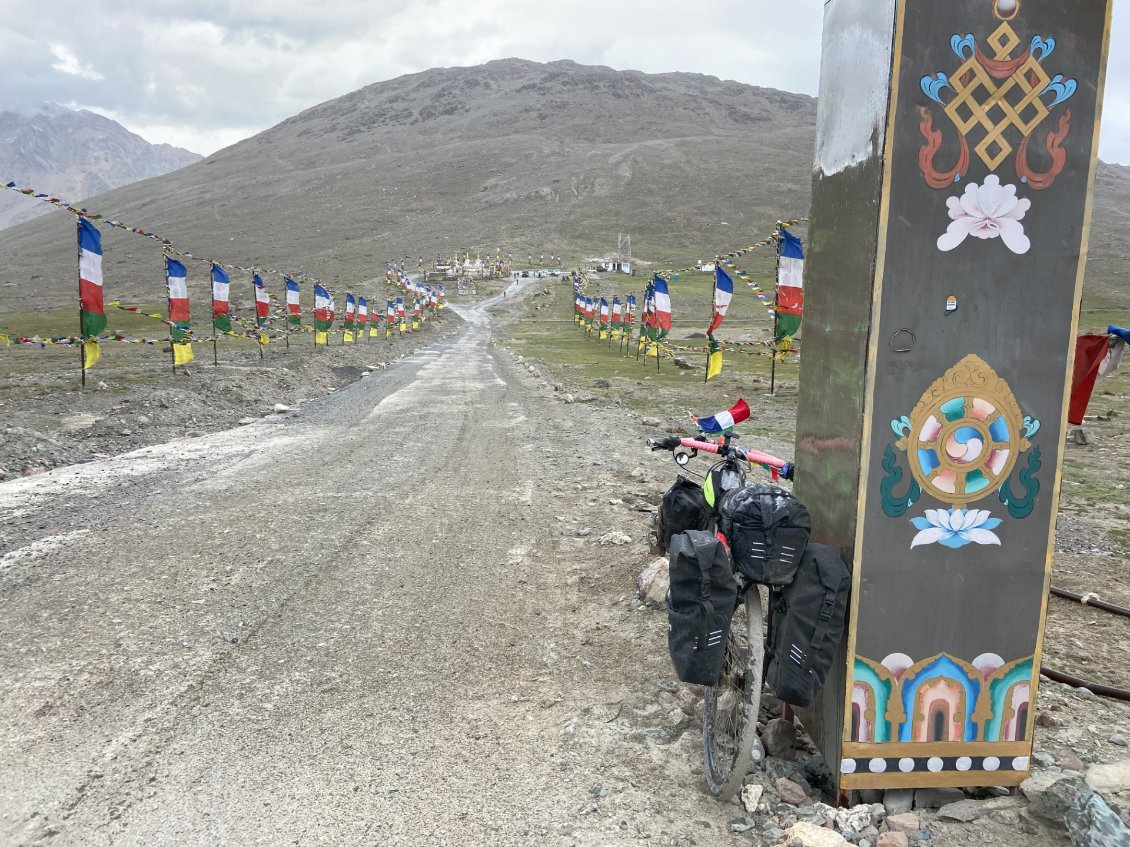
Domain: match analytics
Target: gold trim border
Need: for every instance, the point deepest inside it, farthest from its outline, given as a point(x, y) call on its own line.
point(926, 779)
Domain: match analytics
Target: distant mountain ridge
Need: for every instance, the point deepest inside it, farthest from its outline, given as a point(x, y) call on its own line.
point(75, 155)
point(530, 157)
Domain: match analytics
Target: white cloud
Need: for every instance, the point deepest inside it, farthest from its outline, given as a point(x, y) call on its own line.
point(68, 63)
point(199, 75)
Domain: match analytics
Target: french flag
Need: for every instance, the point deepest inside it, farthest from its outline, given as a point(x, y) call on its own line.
point(723, 422)
point(90, 278)
point(177, 277)
point(262, 301)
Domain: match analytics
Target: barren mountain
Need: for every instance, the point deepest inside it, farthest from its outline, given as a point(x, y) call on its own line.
point(513, 154)
point(74, 154)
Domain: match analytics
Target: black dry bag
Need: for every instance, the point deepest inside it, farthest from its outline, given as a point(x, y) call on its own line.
point(700, 604)
point(768, 529)
point(683, 507)
point(807, 625)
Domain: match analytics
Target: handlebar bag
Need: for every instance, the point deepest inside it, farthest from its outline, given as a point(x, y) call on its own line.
point(768, 529)
point(700, 606)
point(683, 507)
point(807, 625)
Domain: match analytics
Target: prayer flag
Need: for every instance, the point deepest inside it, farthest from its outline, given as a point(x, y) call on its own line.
point(724, 422)
point(293, 307)
point(323, 315)
point(262, 302)
point(90, 353)
point(790, 288)
point(92, 311)
point(350, 308)
point(713, 359)
point(221, 307)
point(177, 279)
point(662, 299)
point(723, 293)
point(182, 352)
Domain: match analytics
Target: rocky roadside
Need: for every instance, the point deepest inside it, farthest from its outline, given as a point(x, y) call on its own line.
point(48, 422)
point(1078, 792)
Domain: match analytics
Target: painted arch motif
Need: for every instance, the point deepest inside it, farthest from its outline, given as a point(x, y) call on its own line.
point(938, 699)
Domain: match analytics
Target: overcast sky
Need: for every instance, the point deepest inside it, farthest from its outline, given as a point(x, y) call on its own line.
point(205, 74)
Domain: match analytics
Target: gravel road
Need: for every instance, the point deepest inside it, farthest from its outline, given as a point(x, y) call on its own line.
point(386, 620)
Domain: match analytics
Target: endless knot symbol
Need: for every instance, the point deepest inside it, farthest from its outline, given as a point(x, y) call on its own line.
point(1014, 103)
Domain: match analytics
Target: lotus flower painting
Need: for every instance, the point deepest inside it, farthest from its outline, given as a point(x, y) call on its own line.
point(989, 210)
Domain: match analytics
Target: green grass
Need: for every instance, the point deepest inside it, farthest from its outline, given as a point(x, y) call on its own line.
point(547, 335)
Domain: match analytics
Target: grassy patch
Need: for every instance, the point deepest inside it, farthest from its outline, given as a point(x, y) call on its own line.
point(547, 334)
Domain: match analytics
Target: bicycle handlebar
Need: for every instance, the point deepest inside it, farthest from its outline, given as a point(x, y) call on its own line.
point(754, 457)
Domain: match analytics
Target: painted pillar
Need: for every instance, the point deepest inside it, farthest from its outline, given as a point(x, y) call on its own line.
point(956, 151)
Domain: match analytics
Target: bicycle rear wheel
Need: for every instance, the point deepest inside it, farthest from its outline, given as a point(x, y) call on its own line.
point(729, 726)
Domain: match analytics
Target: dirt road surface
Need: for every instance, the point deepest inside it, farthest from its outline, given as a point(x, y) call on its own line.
point(386, 620)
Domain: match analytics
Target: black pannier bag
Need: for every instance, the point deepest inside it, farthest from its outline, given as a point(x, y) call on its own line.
point(807, 625)
point(700, 605)
point(768, 529)
point(683, 507)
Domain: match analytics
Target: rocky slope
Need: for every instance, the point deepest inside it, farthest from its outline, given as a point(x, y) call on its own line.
point(542, 158)
point(74, 154)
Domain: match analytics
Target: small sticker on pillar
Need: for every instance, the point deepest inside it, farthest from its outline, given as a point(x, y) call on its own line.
point(951, 304)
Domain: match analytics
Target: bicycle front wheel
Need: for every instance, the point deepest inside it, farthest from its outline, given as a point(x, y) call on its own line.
point(729, 726)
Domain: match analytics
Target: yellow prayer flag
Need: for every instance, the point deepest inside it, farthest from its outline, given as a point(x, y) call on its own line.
point(714, 364)
point(7, 341)
point(182, 353)
point(603, 334)
point(374, 332)
point(263, 339)
point(321, 337)
point(348, 336)
point(90, 353)
point(415, 324)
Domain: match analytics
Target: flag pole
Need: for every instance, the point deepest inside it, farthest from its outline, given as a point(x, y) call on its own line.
point(776, 287)
point(713, 300)
point(81, 338)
